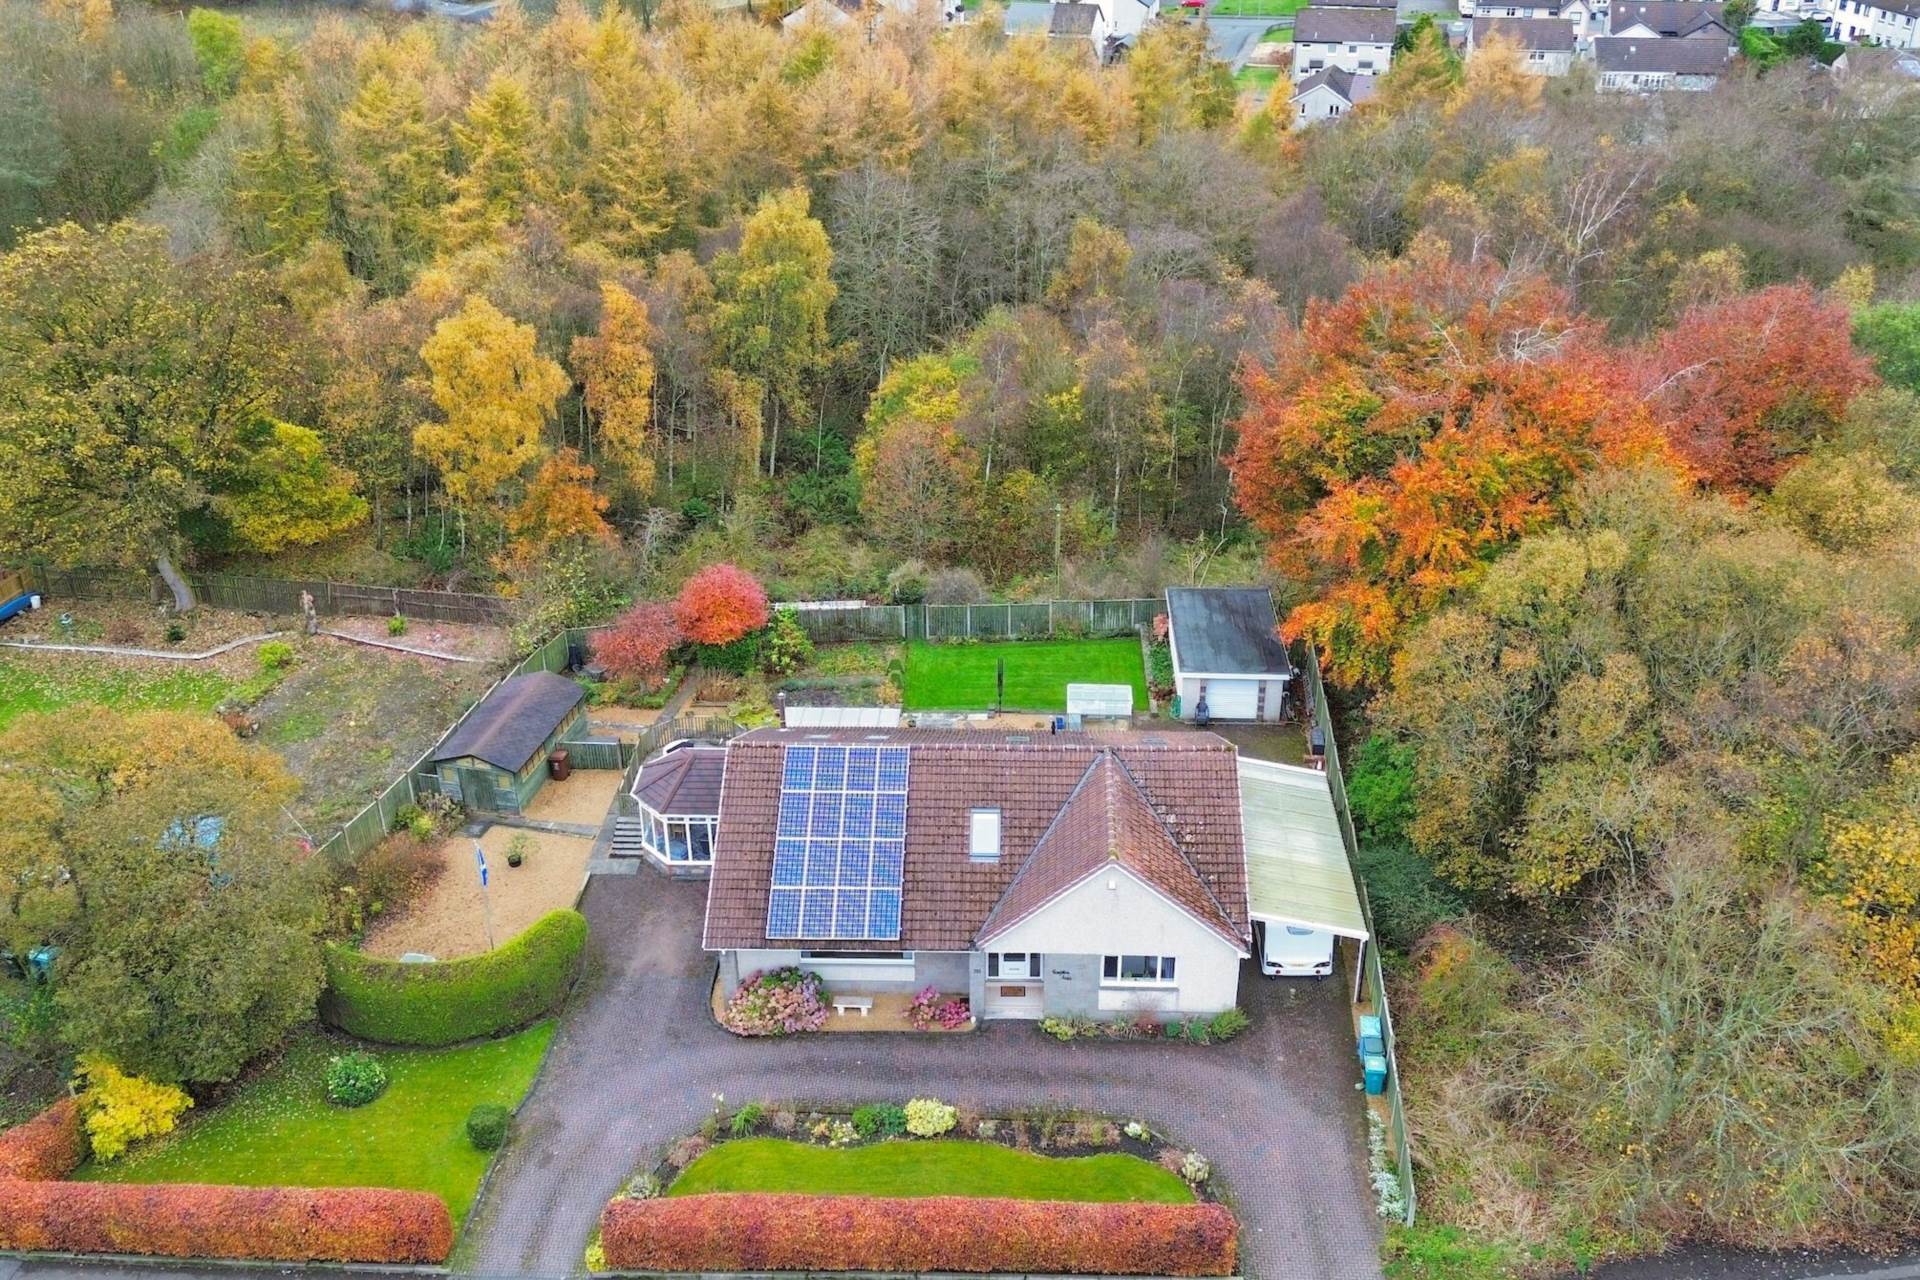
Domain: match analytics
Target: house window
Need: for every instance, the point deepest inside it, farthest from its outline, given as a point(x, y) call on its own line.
point(1013, 964)
point(1138, 970)
point(679, 839)
point(983, 835)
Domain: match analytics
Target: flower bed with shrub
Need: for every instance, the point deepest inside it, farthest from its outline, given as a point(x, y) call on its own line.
point(1218, 1029)
point(754, 1232)
point(40, 1212)
point(929, 1009)
point(454, 1000)
point(778, 1002)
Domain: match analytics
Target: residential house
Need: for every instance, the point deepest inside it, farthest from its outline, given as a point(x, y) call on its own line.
point(1357, 40)
point(1633, 64)
point(1546, 44)
point(1894, 24)
point(1328, 94)
point(1069, 873)
point(1896, 66)
point(1588, 18)
point(1666, 19)
point(1112, 28)
point(496, 757)
point(1229, 662)
point(1516, 9)
point(844, 13)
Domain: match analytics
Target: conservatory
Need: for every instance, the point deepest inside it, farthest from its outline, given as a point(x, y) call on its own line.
point(678, 794)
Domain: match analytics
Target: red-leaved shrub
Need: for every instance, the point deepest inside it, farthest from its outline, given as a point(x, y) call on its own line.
point(751, 1232)
point(720, 604)
point(184, 1220)
point(636, 646)
point(48, 1147)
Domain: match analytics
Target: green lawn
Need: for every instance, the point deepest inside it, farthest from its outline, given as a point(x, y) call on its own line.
point(909, 1168)
point(1261, 79)
point(960, 677)
point(47, 682)
point(278, 1129)
point(1256, 8)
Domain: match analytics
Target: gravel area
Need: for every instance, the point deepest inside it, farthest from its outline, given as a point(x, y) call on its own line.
point(583, 798)
point(450, 919)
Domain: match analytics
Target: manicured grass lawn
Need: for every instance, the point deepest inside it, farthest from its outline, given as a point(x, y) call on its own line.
point(909, 1168)
point(1256, 8)
point(278, 1129)
point(47, 682)
point(960, 677)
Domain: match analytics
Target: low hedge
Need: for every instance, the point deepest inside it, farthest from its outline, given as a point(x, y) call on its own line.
point(38, 1211)
point(455, 1000)
point(187, 1220)
point(755, 1232)
point(46, 1148)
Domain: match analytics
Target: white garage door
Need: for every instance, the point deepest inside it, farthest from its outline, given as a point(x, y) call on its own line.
point(1233, 699)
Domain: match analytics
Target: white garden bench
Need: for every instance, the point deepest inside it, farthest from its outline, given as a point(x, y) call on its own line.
point(843, 1003)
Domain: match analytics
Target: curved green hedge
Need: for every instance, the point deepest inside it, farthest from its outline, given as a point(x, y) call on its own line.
point(454, 1000)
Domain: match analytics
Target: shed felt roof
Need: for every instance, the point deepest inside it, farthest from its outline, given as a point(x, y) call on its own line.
point(514, 721)
point(1186, 781)
point(1297, 870)
point(684, 782)
point(1229, 630)
point(1318, 24)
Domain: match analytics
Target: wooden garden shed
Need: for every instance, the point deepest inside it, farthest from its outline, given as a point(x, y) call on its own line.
point(496, 758)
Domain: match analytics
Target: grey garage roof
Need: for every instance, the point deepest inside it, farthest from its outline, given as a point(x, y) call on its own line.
point(1226, 631)
point(513, 721)
point(1297, 870)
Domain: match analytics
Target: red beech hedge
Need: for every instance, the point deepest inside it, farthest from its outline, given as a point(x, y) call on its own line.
point(752, 1232)
point(46, 1148)
point(186, 1220)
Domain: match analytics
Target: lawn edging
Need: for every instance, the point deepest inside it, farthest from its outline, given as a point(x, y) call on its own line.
point(762, 1232)
point(448, 1001)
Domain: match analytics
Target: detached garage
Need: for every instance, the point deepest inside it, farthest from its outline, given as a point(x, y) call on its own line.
point(1228, 661)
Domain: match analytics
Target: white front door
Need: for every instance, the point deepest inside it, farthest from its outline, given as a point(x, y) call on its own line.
point(1014, 986)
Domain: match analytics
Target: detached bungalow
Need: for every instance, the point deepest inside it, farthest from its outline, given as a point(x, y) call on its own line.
point(495, 759)
point(1546, 44)
point(1072, 873)
point(1227, 652)
point(1629, 64)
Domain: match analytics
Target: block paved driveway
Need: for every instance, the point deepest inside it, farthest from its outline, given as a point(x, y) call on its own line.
point(638, 1059)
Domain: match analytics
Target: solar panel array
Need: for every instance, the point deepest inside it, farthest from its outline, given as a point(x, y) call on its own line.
point(840, 844)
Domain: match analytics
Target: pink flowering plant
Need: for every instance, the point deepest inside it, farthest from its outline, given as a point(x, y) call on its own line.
point(778, 1002)
point(953, 1015)
point(927, 1010)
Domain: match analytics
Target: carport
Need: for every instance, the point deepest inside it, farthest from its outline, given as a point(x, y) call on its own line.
point(1297, 868)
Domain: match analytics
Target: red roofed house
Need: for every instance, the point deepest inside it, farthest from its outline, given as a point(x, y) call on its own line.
point(1072, 873)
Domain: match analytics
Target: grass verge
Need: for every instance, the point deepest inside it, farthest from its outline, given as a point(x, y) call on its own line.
point(961, 677)
point(48, 682)
point(278, 1129)
point(907, 1168)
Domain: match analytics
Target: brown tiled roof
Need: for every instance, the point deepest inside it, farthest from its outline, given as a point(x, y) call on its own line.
point(1107, 820)
point(1188, 781)
point(686, 781)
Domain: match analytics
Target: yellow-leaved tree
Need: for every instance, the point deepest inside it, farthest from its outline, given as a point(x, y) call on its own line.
point(616, 365)
point(495, 392)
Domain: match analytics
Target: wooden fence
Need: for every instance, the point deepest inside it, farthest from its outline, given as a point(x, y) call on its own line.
point(1376, 982)
point(279, 595)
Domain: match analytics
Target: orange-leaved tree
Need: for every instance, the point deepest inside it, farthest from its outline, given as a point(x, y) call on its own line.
point(1748, 384)
point(636, 646)
point(1410, 429)
point(720, 604)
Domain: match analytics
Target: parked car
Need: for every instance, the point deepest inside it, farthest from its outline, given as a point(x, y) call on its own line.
point(1294, 951)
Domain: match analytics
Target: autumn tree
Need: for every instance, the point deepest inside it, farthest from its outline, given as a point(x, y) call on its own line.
point(919, 480)
point(1410, 430)
point(1748, 384)
point(393, 180)
point(132, 393)
point(773, 294)
point(720, 604)
point(150, 848)
point(498, 167)
point(280, 191)
point(286, 492)
point(495, 392)
point(637, 644)
point(560, 506)
point(617, 367)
